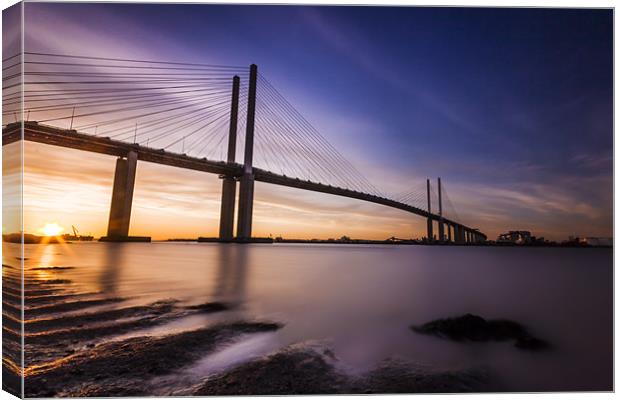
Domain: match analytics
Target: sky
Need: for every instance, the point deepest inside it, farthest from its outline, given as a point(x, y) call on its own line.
point(512, 108)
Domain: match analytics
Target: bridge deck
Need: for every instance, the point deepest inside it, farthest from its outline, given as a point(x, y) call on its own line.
point(35, 132)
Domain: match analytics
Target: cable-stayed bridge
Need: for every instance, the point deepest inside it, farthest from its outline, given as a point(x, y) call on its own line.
point(219, 119)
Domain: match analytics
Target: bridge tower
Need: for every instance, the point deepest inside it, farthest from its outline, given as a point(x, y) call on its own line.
point(122, 197)
point(229, 184)
point(441, 223)
point(246, 188)
point(429, 220)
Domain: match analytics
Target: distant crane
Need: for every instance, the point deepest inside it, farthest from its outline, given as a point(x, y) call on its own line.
point(76, 236)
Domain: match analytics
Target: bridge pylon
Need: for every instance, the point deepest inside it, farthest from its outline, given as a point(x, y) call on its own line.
point(429, 220)
point(229, 184)
point(441, 221)
point(246, 187)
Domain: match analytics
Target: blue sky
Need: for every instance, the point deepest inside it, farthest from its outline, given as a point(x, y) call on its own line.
point(511, 107)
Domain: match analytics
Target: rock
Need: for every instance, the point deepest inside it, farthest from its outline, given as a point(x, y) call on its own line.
point(403, 376)
point(531, 343)
point(306, 369)
point(475, 328)
point(211, 307)
point(293, 370)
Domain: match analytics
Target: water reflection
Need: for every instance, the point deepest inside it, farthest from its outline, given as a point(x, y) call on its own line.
point(231, 274)
point(111, 270)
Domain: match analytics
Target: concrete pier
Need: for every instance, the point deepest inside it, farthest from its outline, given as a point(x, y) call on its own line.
point(246, 203)
point(229, 184)
point(122, 198)
point(246, 187)
point(458, 234)
point(429, 220)
point(227, 210)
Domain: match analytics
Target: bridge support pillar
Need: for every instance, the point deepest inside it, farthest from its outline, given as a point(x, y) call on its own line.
point(246, 188)
point(429, 220)
point(450, 231)
point(441, 223)
point(229, 184)
point(227, 211)
point(122, 197)
point(429, 229)
point(246, 204)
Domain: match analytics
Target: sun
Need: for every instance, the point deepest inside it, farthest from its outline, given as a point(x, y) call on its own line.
point(52, 229)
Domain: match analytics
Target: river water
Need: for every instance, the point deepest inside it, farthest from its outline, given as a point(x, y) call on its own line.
point(362, 299)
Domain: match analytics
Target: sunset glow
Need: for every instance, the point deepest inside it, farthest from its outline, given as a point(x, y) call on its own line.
point(52, 229)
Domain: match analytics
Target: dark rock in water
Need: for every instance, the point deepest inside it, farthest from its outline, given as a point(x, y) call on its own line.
point(531, 343)
point(51, 268)
point(477, 329)
point(214, 306)
point(302, 369)
point(54, 282)
point(82, 319)
point(401, 376)
point(69, 306)
point(471, 327)
point(293, 370)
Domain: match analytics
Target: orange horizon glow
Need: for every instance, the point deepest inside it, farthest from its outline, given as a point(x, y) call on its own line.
point(70, 187)
point(175, 203)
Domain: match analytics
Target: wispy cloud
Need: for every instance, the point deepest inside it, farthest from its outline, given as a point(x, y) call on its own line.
point(357, 47)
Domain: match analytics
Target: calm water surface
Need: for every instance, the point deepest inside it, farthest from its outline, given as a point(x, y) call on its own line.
point(362, 299)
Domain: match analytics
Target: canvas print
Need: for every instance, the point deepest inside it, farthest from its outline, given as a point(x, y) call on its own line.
point(228, 199)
